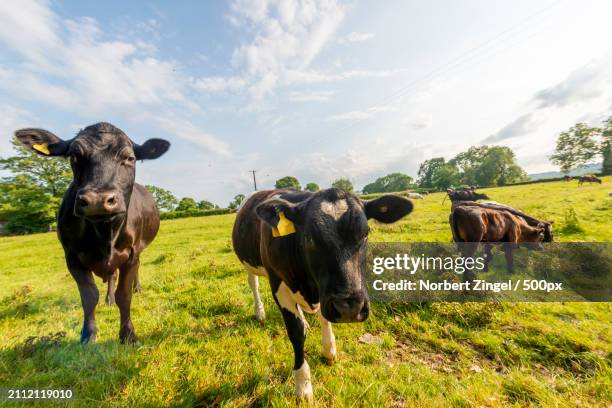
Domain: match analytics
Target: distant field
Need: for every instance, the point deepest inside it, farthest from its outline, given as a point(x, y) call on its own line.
point(201, 346)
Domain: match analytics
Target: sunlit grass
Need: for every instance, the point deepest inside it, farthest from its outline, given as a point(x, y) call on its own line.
point(200, 344)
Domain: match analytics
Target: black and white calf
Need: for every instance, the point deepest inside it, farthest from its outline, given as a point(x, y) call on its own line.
point(312, 248)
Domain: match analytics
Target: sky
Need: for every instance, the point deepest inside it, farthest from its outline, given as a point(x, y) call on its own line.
point(317, 89)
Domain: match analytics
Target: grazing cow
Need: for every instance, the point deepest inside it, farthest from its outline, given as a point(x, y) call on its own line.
point(532, 221)
point(471, 225)
point(590, 178)
point(464, 195)
point(312, 248)
point(105, 220)
point(610, 194)
point(415, 196)
point(567, 178)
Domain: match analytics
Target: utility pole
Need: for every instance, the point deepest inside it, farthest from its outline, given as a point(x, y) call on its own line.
point(254, 179)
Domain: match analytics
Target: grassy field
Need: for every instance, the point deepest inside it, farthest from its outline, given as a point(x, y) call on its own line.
point(201, 345)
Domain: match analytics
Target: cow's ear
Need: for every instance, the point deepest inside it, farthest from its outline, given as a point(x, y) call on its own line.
point(151, 149)
point(280, 215)
point(42, 142)
point(388, 208)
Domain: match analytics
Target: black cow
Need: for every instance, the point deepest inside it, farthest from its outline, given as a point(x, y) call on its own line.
point(312, 248)
point(588, 178)
point(465, 194)
point(105, 220)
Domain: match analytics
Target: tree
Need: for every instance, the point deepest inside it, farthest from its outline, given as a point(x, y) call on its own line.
point(343, 184)
point(468, 164)
point(389, 183)
point(606, 147)
point(164, 199)
point(288, 182)
point(446, 176)
point(238, 199)
point(206, 205)
point(428, 170)
point(186, 204)
point(30, 196)
point(52, 174)
point(577, 146)
point(497, 166)
point(314, 187)
point(26, 206)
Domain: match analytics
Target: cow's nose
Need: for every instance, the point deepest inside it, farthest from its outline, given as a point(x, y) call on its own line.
point(348, 309)
point(97, 204)
point(110, 201)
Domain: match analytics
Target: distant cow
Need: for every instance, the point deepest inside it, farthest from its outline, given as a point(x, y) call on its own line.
point(471, 225)
point(106, 219)
point(415, 196)
point(532, 221)
point(567, 178)
point(312, 248)
point(464, 195)
point(588, 178)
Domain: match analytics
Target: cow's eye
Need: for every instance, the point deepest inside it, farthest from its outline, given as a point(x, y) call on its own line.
point(308, 239)
point(130, 160)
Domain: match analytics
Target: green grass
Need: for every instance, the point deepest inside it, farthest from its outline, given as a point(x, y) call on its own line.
point(201, 346)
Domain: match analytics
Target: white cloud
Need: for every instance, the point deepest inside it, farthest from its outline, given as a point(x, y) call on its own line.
point(354, 37)
point(69, 64)
point(286, 36)
point(583, 84)
point(219, 84)
point(364, 114)
point(185, 129)
point(11, 119)
point(521, 126)
point(322, 96)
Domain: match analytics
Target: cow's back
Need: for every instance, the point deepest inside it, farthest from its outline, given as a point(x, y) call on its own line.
point(246, 234)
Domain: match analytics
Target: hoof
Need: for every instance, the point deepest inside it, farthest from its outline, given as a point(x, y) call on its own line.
point(109, 301)
point(88, 338)
point(128, 337)
point(303, 384)
point(260, 315)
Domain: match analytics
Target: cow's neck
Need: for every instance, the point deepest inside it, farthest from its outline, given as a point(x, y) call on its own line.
point(107, 233)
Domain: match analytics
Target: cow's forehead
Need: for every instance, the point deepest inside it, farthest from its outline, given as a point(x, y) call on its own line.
point(102, 136)
point(340, 217)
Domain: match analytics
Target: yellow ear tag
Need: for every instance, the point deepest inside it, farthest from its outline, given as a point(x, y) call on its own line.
point(43, 148)
point(284, 227)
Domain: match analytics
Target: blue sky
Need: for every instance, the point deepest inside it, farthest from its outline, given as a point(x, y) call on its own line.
point(314, 89)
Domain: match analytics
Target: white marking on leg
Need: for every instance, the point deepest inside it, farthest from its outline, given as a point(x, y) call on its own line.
point(252, 276)
point(260, 312)
point(328, 340)
point(334, 209)
point(303, 384)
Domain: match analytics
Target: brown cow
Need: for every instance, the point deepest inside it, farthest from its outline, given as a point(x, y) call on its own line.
point(567, 178)
point(590, 178)
point(472, 225)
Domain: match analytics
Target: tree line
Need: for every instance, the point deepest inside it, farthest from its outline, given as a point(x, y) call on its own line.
point(31, 194)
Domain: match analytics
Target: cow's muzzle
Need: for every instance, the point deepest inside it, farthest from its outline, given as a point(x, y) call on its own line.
point(99, 205)
point(346, 309)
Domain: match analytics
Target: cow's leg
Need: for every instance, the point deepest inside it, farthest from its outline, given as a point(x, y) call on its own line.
point(508, 248)
point(260, 313)
point(488, 255)
point(123, 296)
point(137, 288)
point(328, 340)
point(301, 369)
point(467, 250)
point(110, 292)
point(89, 299)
